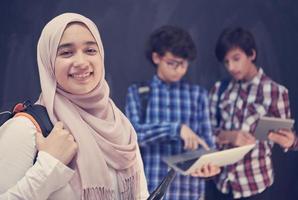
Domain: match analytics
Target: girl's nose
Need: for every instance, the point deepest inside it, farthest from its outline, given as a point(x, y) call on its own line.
point(80, 60)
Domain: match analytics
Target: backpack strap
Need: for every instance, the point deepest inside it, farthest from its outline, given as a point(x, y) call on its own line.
point(223, 86)
point(144, 94)
point(31, 119)
point(37, 114)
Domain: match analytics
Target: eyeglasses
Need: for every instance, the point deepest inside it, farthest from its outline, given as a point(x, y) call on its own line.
point(174, 64)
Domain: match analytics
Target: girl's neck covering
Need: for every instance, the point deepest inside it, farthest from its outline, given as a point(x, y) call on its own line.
point(105, 137)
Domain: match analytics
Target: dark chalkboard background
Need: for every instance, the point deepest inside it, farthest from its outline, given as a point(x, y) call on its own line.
point(126, 24)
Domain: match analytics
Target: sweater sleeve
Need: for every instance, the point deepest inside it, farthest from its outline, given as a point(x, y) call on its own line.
point(20, 179)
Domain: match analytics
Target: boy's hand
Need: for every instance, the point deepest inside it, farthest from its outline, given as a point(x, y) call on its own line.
point(191, 139)
point(285, 138)
point(60, 143)
point(235, 138)
point(206, 171)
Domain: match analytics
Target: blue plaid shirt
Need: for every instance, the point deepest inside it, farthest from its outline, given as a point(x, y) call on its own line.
point(169, 106)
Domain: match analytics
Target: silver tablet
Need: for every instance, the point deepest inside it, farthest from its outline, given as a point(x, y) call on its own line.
point(189, 162)
point(267, 124)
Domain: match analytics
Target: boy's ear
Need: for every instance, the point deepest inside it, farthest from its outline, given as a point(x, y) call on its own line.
point(253, 56)
point(155, 58)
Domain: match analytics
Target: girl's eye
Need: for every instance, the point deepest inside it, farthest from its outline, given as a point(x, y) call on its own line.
point(65, 53)
point(91, 51)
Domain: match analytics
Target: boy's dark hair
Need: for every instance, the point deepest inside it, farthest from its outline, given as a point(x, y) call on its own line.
point(171, 39)
point(235, 38)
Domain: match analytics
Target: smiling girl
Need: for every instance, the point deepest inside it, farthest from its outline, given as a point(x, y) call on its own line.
point(92, 152)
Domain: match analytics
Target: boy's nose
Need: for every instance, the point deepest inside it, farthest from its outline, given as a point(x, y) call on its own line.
point(231, 67)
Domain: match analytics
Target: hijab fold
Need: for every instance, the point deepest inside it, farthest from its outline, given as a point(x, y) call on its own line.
point(105, 137)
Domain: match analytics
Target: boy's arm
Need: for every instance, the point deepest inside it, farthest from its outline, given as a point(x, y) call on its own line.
point(281, 108)
point(148, 133)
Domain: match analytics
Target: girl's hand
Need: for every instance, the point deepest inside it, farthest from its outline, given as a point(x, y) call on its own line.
point(60, 143)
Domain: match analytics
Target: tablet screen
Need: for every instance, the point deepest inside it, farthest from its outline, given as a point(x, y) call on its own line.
point(184, 166)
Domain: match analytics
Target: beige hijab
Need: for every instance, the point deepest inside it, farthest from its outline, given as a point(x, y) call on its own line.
point(104, 135)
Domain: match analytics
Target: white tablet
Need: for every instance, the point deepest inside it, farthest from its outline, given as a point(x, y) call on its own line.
point(188, 162)
point(266, 124)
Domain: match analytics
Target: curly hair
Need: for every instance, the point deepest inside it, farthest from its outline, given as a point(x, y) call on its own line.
point(171, 39)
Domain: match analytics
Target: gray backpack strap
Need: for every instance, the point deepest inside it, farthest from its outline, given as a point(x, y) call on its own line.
point(144, 95)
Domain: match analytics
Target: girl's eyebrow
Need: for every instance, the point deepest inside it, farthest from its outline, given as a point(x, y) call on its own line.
point(91, 43)
point(66, 45)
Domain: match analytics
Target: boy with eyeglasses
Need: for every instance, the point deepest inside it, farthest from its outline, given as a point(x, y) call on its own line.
point(175, 117)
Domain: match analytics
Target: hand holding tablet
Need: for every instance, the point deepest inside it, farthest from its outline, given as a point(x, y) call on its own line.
point(271, 124)
point(285, 138)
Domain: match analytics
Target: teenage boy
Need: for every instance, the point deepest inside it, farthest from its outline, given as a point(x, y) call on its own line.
point(248, 95)
point(175, 117)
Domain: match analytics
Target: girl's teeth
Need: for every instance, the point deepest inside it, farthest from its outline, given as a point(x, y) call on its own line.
point(81, 75)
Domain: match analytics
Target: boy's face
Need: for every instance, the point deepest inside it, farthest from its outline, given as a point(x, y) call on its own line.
point(170, 68)
point(240, 65)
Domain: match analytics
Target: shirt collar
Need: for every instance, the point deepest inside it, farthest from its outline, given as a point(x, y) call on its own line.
point(254, 81)
point(157, 81)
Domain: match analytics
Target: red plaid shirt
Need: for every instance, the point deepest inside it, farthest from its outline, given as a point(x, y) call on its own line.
point(241, 105)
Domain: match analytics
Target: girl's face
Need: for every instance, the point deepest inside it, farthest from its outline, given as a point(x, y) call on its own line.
point(78, 64)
